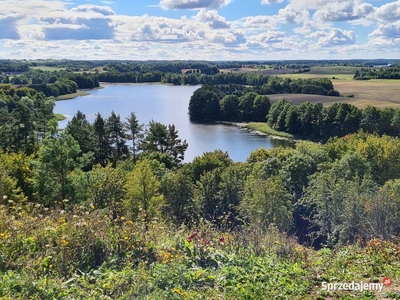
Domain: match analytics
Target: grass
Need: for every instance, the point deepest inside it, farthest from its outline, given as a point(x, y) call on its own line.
point(72, 96)
point(81, 252)
point(266, 129)
point(46, 68)
point(60, 117)
point(317, 75)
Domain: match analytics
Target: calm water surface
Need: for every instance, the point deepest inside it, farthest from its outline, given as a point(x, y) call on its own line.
point(167, 105)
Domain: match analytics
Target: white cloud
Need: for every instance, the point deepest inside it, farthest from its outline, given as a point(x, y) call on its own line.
point(89, 8)
point(266, 39)
point(389, 12)
point(159, 29)
point(260, 22)
point(228, 38)
point(290, 14)
point(390, 31)
point(268, 2)
point(80, 23)
point(193, 4)
point(337, 37)
point(343, 11)
point(212, 18)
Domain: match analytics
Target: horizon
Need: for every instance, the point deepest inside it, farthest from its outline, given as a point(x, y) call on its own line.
point(200, 30)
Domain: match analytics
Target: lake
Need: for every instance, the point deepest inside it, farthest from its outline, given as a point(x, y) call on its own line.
point(168, 105)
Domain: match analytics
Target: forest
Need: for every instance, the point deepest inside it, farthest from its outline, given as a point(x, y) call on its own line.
point(108, 210)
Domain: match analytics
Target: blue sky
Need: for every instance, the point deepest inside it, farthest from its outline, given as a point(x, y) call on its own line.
point(199, 29)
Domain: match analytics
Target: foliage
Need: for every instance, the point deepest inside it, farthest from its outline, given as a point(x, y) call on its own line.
point(266, 202)
point(57, 158)
point(142, 193)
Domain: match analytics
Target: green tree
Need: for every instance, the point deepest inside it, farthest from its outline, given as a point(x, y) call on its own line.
point(135, 134)
point(204, 104)
point(82, 131)
point(43, 109)
point(107, 186)
point(246, 105)
point(261, 107)
point(9, 190)
point(178, 189)
point(102, 149)
point(117, 138)
point(143, 192)
point(336, 207)
point(275, 111)
point(371, 119)
point(206, 195)
point(164, 139)
point(266, 202)
point(58, 157)
point(383, 212)
point(24, 134)
point(230, 108)
point(208, 162)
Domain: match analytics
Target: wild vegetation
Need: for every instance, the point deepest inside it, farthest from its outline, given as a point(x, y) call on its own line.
point(108, 210)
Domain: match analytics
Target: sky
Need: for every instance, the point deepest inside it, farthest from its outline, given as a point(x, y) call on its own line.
point(199, 29)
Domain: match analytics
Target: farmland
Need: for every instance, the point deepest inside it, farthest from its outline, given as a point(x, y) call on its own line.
point(377, 92)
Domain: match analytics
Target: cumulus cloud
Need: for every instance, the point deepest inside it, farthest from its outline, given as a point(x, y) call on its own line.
point(311, 4)
point(265, 39)
point(84, 22)
point(271, 1)
point(344, 11)
point(229, 38)
point(8, 26)
point(390, 31)
point(212, 18)
point(381, 41)
point(88, 8)
point(263, 22)
point(193, 4)
point(337, 37)
point(290, 14)
point(389, 12)
point(167, 31)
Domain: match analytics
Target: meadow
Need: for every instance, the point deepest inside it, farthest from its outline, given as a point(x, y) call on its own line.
point(81, 252)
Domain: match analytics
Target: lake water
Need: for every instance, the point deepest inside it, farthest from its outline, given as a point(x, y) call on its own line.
point(167, 105)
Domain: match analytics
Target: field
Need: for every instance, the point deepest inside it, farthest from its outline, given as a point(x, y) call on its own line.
point(377, 92)
point(45, 68)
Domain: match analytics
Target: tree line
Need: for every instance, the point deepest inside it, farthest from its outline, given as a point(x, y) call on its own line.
point(53, 83)
point(319, 123)
point(392, 72)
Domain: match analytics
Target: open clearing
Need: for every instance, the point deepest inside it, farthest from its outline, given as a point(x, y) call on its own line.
point(380, 93)
point(46, 68)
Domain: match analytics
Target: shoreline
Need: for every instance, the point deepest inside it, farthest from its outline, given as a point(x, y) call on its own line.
point(79, 93)
point(243, 125)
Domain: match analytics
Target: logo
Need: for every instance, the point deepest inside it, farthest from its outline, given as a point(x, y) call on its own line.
point(387, 281)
